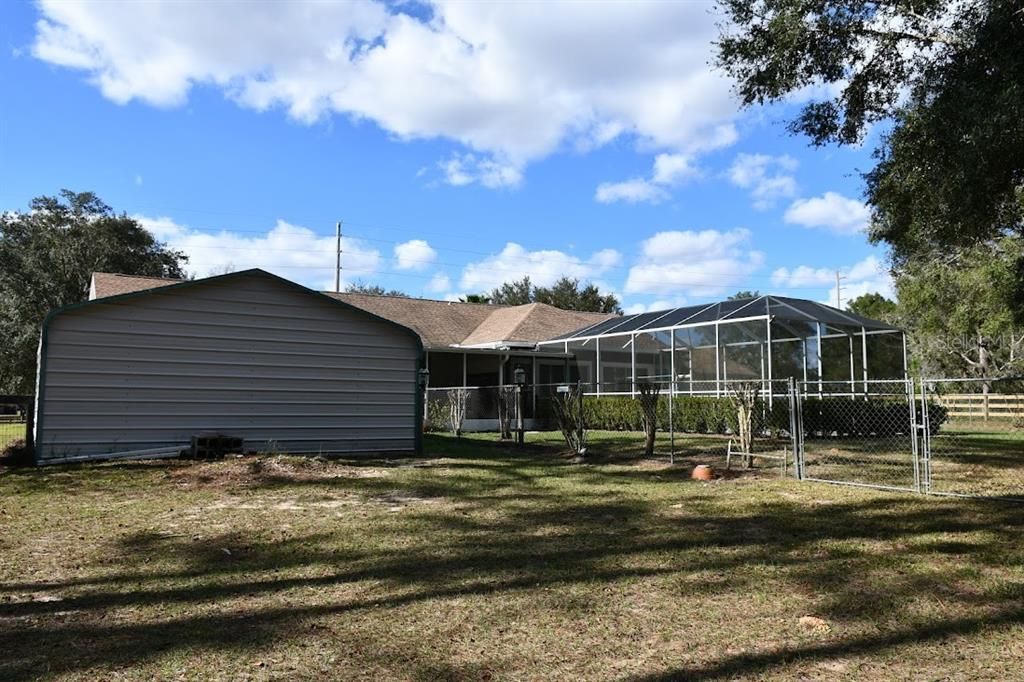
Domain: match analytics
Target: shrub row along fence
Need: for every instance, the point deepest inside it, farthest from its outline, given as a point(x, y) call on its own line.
point(914, 435)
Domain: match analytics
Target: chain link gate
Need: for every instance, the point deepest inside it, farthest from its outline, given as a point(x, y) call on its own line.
point(959, 437)
point(859, 433)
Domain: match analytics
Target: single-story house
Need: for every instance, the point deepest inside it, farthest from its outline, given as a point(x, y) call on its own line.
point(147, 362)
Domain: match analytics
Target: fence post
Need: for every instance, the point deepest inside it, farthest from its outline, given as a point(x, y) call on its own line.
point(915, 439)
point(926, 439)
point(671, 423)
point(30, 427)
point(580, 426)
point(794, 429)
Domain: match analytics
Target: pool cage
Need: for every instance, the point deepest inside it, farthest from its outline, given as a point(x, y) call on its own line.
point(700, 350)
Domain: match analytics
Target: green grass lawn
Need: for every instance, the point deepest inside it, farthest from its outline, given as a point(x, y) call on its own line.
point(480, 561)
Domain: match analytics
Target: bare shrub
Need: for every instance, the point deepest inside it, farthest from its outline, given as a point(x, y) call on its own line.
point(457, 399)
point(648, 397)
point(506, 409)
point(569, 413)
point(744, 396)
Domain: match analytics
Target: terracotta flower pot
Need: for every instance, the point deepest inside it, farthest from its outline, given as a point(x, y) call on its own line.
point(702, 472)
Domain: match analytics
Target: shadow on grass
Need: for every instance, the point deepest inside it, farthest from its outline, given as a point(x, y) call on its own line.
point(222, 593)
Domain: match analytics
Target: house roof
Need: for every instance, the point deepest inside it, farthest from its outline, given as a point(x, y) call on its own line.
point(440, 324)
point(106, 284)
point(529, 324)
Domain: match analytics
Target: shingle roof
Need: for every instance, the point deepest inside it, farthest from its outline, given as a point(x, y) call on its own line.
point(111, 284)
point(530, 323)
point(440, 324)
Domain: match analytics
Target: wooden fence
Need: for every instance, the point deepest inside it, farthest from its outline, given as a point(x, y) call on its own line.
point(981, 406)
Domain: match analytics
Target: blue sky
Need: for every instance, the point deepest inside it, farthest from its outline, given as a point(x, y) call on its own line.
point(462, 144)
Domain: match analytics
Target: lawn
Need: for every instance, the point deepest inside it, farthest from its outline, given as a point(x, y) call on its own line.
point(479, 561)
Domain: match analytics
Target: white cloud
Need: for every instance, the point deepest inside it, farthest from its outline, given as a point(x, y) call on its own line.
point(466, 169)
point(669, 169)
point(703, 263)
point(866, 276)
point(414, 254)
point(803, 276)
point(659, 304)
point(831, 211)
point(542, 267)
point(138, 180)
point(635, 191)
point(291, 251)
point(768, 178)
point(511, 82)
point(439, 284)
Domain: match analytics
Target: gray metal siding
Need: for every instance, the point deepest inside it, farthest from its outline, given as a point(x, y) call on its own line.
point(245, 355)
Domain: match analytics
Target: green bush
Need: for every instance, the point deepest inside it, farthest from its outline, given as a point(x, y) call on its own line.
point(437, 413)
point(691, 414)
point(879, 417)
point(710, 415)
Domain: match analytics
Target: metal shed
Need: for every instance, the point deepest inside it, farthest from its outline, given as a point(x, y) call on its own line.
point(247, 354)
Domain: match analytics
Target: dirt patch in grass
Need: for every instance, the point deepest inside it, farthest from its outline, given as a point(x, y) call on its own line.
point(261, 470)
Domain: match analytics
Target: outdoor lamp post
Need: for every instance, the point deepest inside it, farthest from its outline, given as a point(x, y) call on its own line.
point(519, 379)
point(423, 380)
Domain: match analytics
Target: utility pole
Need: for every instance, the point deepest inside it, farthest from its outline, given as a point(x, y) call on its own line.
point(839, 290)
point(337, 262)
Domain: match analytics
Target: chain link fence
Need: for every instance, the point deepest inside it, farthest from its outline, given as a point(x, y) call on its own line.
point(696, 422)
point(977, 448)
point(15, 426)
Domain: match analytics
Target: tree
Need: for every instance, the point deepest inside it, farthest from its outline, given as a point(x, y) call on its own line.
point(954, 308)
point(475, 298)
point(742, 294)
point(565, 294)
point(519, 292)
point(874, 306)
point(359, 287)
point(946, 75)
point(47, 256)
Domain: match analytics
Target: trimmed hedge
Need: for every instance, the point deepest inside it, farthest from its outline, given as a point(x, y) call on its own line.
point(691, 414)
point(873, 417)
point(702, 414)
